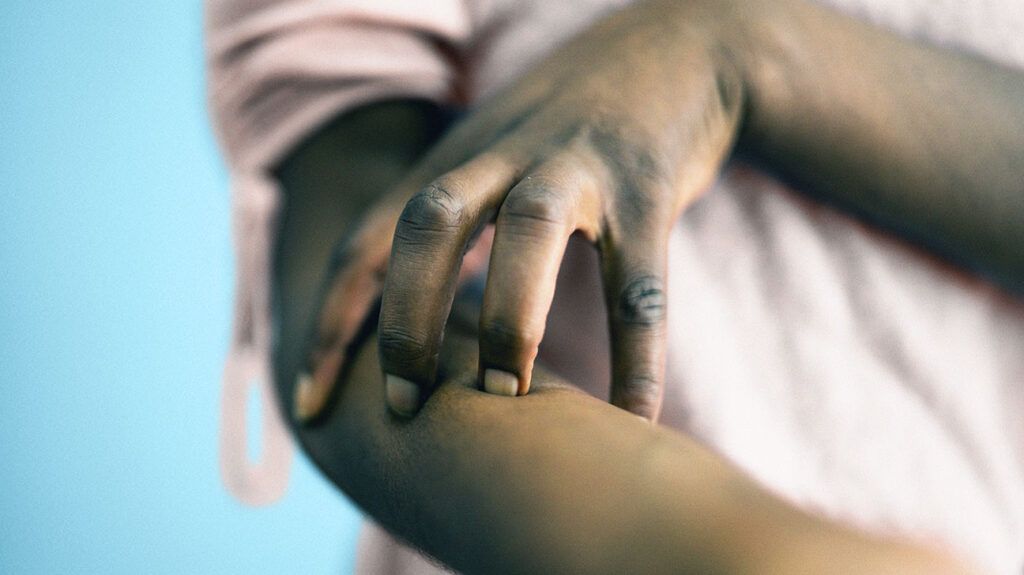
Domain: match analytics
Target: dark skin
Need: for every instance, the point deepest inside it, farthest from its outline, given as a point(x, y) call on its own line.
point(617, 132)
point(488, 484)
point(451, 483)
point(881, 157)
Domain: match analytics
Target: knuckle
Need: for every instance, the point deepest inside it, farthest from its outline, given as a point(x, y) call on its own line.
point(640, 387)
point(640, 394)
point(537, 204)
point(432, 210)
point(642, 302)
point(500, 336)
point(399, 345)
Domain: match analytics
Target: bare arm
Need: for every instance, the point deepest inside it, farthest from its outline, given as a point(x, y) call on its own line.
point(551, 482)
point(923, 140)
point(581, 487)
point(453, 483)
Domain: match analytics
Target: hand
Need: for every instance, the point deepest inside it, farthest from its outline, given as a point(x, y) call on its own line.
point(611, 137)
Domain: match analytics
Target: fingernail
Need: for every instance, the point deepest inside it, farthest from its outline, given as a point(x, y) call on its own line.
point(304, 404)
point(403, 396)
point(499, 382)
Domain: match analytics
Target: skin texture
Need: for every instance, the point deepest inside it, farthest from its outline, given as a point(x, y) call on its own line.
point(451, 483)
point(563, 151)
point(927, 142)
point(615, 133)
point(551, 482)
point(462, 480)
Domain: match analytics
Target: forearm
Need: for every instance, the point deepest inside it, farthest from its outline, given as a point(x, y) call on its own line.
point(558, 482)
point(926, 141)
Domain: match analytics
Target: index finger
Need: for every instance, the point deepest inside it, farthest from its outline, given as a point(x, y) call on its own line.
point(434, 231)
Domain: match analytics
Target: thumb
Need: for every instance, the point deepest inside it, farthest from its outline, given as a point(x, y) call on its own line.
point(354, 286)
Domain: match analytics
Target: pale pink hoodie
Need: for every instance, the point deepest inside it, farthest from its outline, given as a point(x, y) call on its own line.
point(848, 372)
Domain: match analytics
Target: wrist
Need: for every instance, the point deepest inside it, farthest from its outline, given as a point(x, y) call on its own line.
point(748, 45)
point(752, 42)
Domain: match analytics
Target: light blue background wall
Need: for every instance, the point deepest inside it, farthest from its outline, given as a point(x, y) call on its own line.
point(115, 291)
